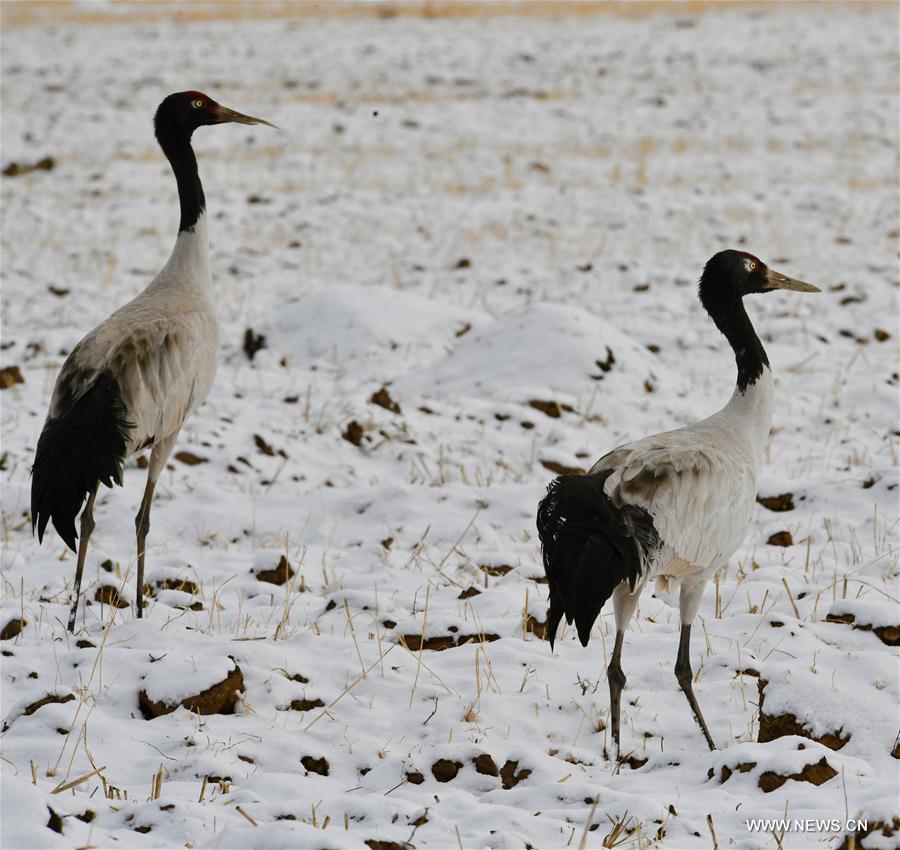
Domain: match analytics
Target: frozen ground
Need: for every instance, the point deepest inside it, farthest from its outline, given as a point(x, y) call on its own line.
point(472, 213)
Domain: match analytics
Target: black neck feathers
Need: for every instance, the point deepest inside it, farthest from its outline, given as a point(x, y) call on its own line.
point(722, 298)
point(176, 145)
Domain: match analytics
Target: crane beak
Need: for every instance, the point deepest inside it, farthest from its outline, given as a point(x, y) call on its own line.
point(224, 115)
point(776, 280)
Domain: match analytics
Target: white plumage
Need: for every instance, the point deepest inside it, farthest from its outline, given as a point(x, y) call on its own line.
point(672, 507)
point(133, 380)
point(160, 347)
point(707, 469)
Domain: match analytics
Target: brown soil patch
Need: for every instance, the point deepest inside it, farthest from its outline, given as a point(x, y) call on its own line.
point(510, 776)
point(189, 458)
point(383, 399)
point(46, 701)
point(442, 642)
point(12, 628)
point(817, 774)
point(183, 584)
point(889, 635)
point(386, 845)
point(354, 432)
point(726, 772)
point(469, 592)
point(486, 765)
point(55, 822)
point(772, 726)
point(553, 409)
point(107, 594)
point(784, 502)
point(487, 637)
point(10, 376)
point(16, 169)
point(415, 778)
point(536, 627)
point(306, 704)
point(281, 574)
point(315, 765)
point(221, 698)
point(500, 570)
point(444, 770)
point(415, 642)
point(781, 538)
point(887, 828)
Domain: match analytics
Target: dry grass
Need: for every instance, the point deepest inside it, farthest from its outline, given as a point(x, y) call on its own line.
point(20, 13)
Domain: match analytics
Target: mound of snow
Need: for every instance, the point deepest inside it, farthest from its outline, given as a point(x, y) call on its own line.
point(541, 350)
point(343, 323)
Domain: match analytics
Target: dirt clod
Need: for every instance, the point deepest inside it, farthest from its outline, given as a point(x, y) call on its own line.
point(189, 458)
point(486, 765)
point(108, 594)
point(415, 778)
point(772, 726)
point(498, 570)
point(781, 538)
point(220, 698)
point(889, 635)
point(536, 627)
point(510, 776)
point(31, 709)
point(12, 628)
point(817, 774)
point(784, 502)
point(306, 704)
point(55, 822)
point(280, 574)
point(185, 585)
point(253, 342)
point(444, 770)
point(553, 409)
point(354, 432)
point(10, 376)
point(17, 169)
point(438, 643)
point(383, 399)
point(262, 446)
point(315, 765)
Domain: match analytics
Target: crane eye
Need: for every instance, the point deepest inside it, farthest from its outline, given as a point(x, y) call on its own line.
point(749, 265)
point(197, 104)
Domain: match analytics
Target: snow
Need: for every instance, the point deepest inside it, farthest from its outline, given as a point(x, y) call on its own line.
point(535, 196)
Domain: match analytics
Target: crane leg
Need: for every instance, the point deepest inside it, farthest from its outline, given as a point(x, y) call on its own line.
point(685, 676)
point(158, 458)
point(624, 603)
point(691, 594)
point(87, 526)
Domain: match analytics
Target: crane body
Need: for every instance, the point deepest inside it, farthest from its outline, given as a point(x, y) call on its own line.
point(672, 507)
point(131, 383)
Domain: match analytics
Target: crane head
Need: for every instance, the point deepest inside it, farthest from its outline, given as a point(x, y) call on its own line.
point(736, 274)
point(183, 112)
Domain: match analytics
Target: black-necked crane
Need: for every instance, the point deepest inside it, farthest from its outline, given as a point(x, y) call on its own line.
point(133, 380)
point(673, 506)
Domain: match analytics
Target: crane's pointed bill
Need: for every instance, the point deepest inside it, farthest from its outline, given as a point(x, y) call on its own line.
point(776, 280)
point(226, 115)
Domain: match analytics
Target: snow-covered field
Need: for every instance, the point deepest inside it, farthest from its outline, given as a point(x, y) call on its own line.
point(496, 219)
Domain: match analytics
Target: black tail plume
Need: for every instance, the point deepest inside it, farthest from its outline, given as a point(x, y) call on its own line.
point(589, 547)
point(76, 450)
